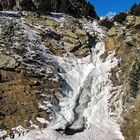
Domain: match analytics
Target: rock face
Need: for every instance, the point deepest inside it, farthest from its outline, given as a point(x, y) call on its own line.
point(7, 62)
point(23, 72)
point(73, 7)
point(123, 37)
point(55, 68)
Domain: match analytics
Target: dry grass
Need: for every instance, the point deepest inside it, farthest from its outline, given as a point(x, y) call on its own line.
point(18, 101)
point(131, 125)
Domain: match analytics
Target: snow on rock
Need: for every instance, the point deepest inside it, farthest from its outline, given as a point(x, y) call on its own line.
point(42, 120)
point(94, 28)
point(57, 17)
point(86, 99)
point(2, 133)
point(17, 132)
point(86, 88)
point(88, 79)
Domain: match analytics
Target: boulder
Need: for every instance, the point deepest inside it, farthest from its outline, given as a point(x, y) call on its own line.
point(83, 51)
point(71, 34)
point(129, 33)
point(129, 40)
point(70, 47)
point(130, 19)
point(112, 32)
point(80, 32)
point(7, 62)
point(84, 40)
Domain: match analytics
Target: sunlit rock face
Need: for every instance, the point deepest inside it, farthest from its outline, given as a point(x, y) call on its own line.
point(123, 37)
point(73, 7)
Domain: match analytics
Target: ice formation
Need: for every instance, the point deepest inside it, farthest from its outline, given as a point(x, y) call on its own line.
point(84, 109)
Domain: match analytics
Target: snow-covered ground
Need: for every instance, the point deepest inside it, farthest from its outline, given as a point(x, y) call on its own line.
point(85, 105)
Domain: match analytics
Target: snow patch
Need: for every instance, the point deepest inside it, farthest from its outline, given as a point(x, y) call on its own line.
point(42, 120)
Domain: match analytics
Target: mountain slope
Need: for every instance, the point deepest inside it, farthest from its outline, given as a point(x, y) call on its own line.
point(76, 8)
point(60, 70)
point(68, 75)
point(123, 37)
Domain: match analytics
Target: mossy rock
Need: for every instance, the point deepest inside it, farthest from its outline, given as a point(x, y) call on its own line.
point(71, 34)
point(137, 23)
point(112, 32)
point(70, 47)
point(129, 40)
point(50, 22)
point(80, 32)
point(130, 19)
point(7, 62)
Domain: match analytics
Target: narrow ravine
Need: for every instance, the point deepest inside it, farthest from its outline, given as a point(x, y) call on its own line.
point(83, 112)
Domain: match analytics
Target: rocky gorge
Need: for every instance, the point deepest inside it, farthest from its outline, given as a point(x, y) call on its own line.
point(65, 74)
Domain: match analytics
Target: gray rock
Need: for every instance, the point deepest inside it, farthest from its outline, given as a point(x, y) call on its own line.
point(80, 32)
point(130, 19)
point(70, 47)
point(70, 40)
point(71, 34)
point(129, 40)
point(7, 62)
point(112, 32)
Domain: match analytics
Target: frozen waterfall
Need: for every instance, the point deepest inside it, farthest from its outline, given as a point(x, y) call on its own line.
point(84, 109)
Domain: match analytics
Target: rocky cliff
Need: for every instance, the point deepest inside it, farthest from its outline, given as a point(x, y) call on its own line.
point(76, 8)
point(123, 37)
point(63, 77)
